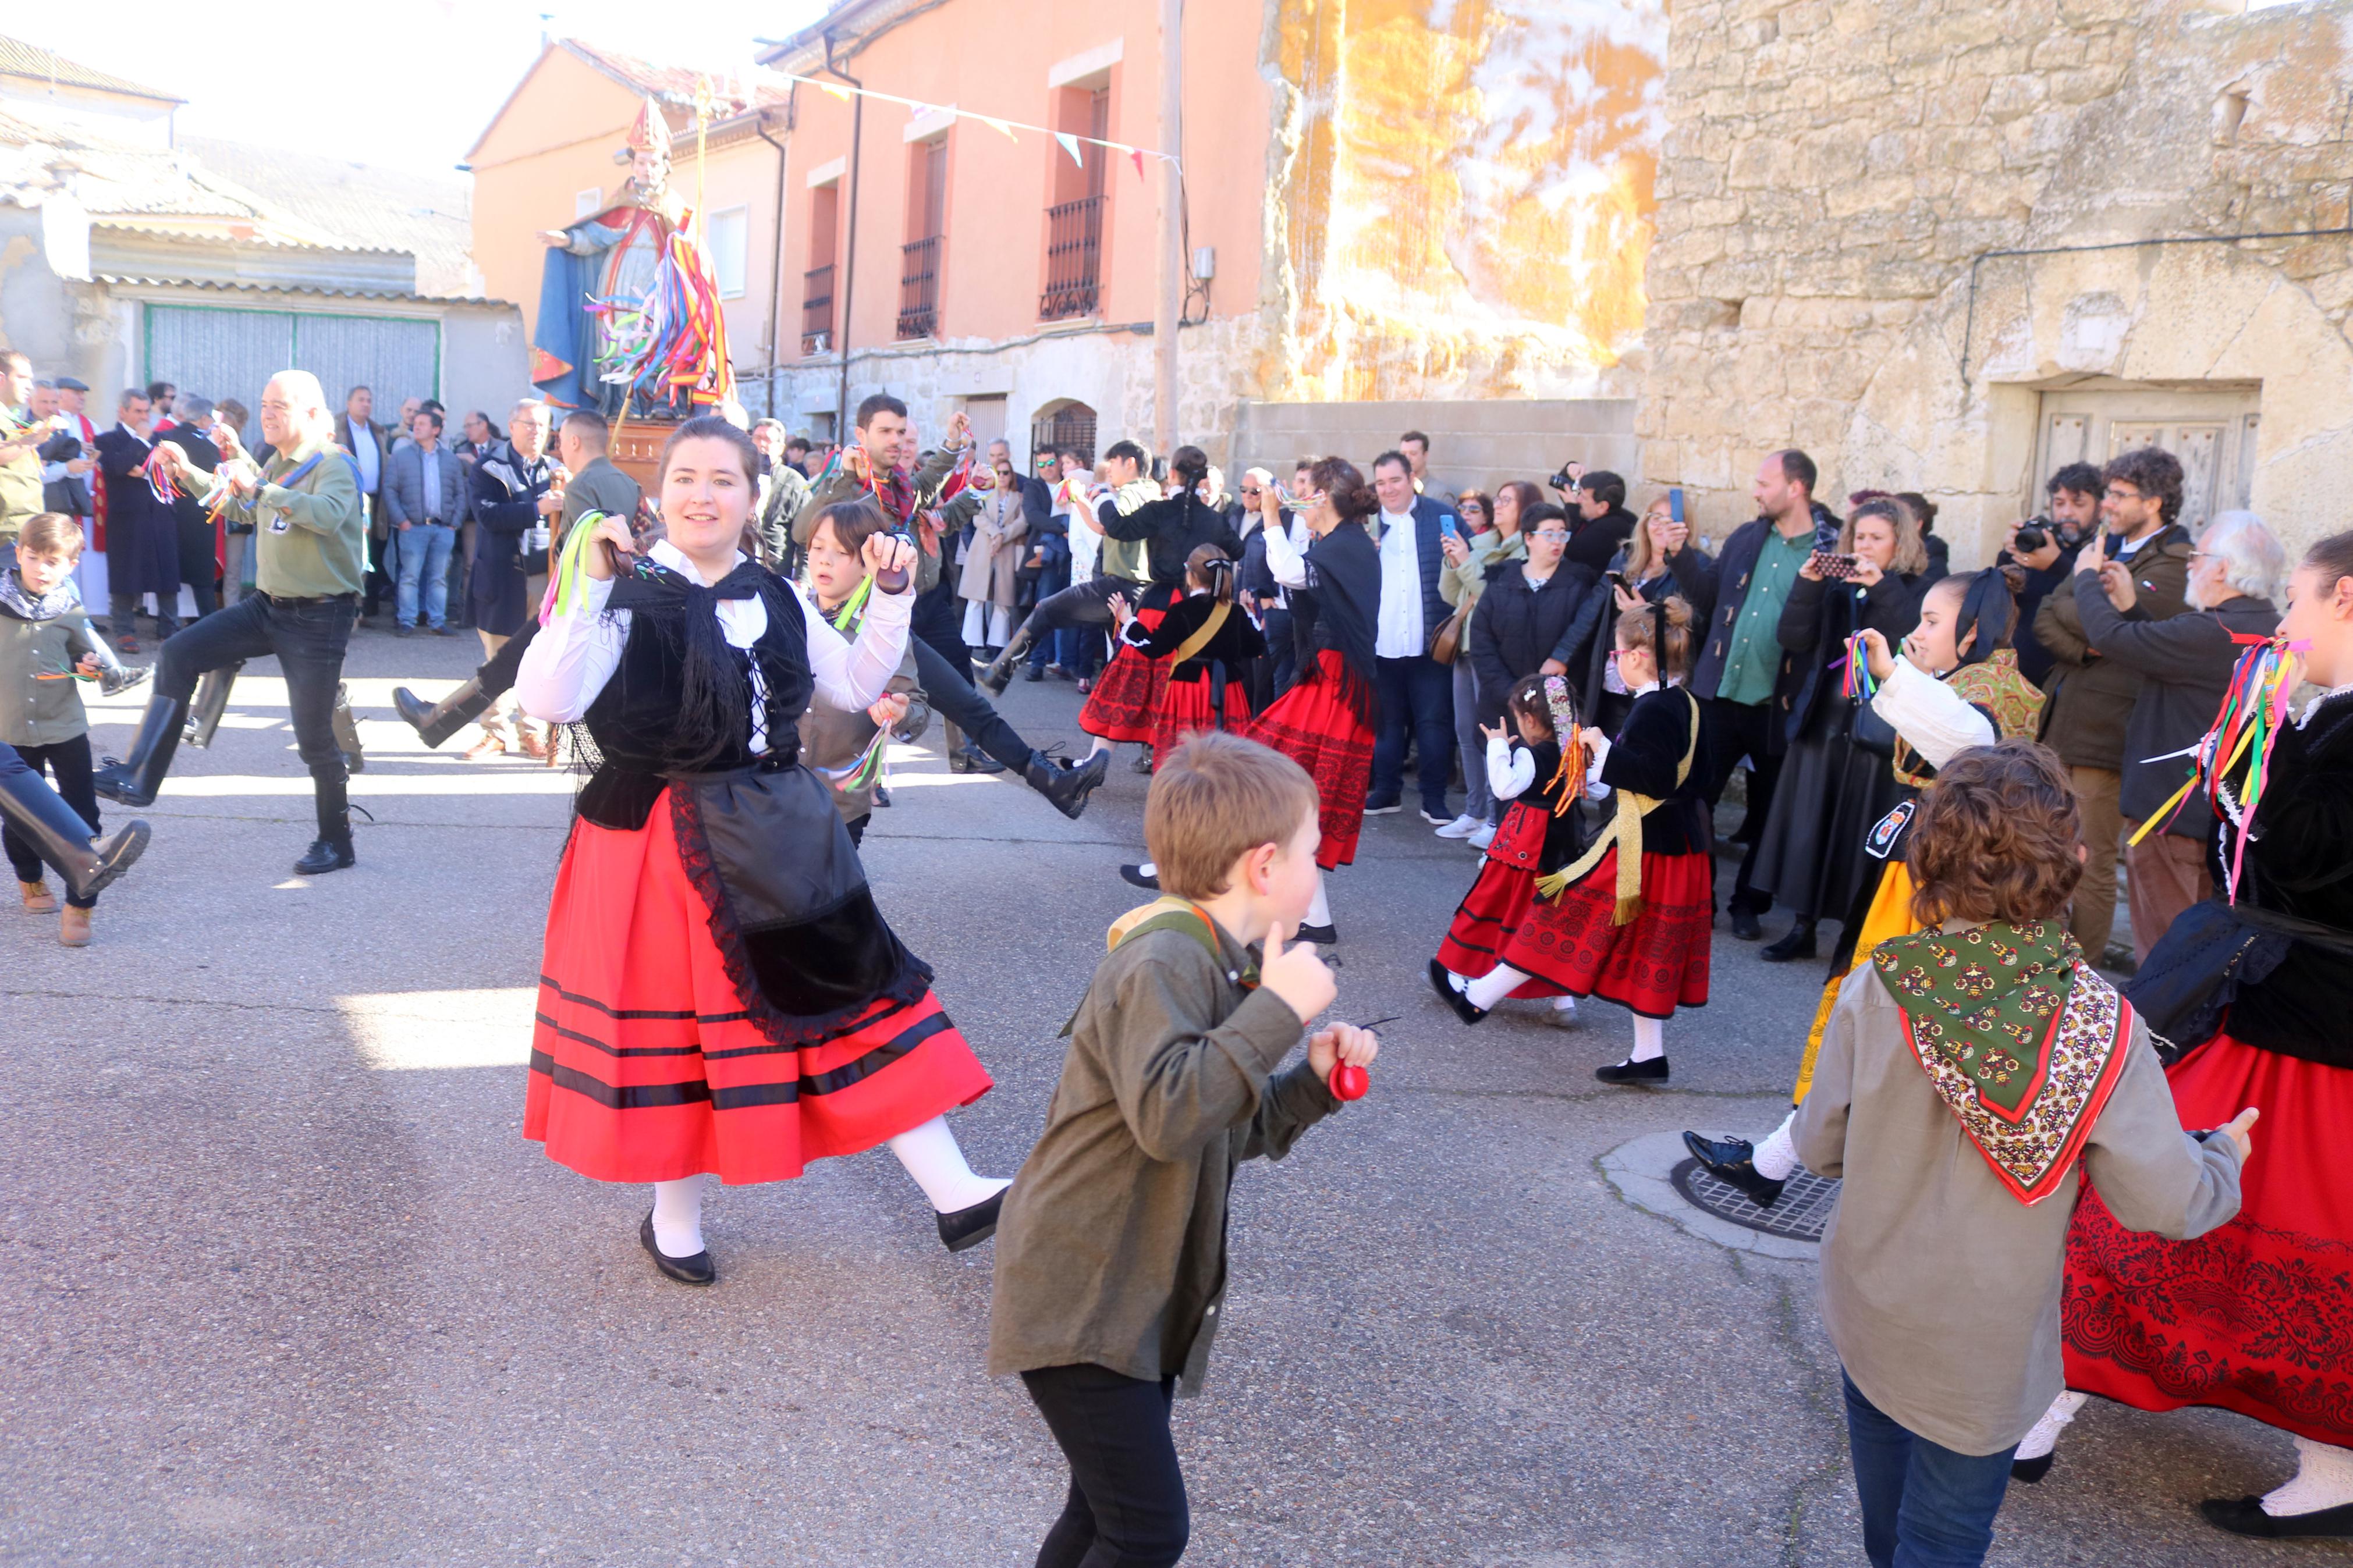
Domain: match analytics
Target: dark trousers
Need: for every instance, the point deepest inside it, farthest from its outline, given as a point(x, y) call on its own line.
point(1419, 691)
point(955, 699)
point(857, 827)
point(308, 641)
point(1087, 604)
point(1126, 1506)
point(68, 762)
point(495, 674)
point(1281, 656)
point(1061, 645)
point(1924, 1505)
point(1737, 730)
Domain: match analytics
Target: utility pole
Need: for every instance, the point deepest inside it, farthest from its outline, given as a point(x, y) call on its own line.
point(1172, 231)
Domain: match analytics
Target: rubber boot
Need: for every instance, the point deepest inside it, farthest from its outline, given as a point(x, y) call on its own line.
point(211, 702)
point(998, 675)
point(59, 836)
point(1067, 785)
point(347, 731)
point(437, 721)
point(134, 780)
point(332, 850)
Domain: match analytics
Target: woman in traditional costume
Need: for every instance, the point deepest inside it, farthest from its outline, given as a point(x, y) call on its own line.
point(1628, 920)
point(2252, 989)
point(1957, 685)
point(719, 995)
point(1326, 721)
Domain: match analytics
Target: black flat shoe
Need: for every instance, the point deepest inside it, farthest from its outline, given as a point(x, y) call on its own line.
point(1652, 1071)
point(2246, 1517)
point(1463, 1009)
point(1733, 1159)
point(1135, 876)
point(1799, 943)
point(1033, 675)
point(970, 759)
point(326, 855)
point(696, 1270)
point(2031, 1471)
point(970, 1228)
point(1322, 936)
point(1745, 926)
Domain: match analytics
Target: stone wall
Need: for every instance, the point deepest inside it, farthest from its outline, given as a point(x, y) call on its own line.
point(1833, 171)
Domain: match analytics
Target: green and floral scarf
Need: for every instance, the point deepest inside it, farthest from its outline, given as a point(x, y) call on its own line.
point(2022, 1040)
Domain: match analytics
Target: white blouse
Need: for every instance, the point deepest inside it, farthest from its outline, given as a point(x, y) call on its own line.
point(575, 654)
point(1510, 769)
point(1931, 716)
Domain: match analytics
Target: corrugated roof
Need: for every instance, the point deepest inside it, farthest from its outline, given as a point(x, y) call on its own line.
point(212, 286)
point(425, 214)
point(18, 57)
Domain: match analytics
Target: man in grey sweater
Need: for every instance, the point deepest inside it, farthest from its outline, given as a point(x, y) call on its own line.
point(1971, 1078)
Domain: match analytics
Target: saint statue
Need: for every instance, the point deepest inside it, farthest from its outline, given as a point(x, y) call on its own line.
point(628, 306)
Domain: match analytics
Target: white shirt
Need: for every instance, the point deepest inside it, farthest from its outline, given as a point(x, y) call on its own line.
point(1929, 714)
point(1399, 633)
point(574, 654)
point(432, 487)
point(1510, 769)
point(365, 454)
point(1286, 554)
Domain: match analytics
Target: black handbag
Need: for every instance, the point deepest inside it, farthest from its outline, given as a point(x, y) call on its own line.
point(1871, 733)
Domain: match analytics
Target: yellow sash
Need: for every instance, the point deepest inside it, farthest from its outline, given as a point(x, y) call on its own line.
point(1625, 834)
point(1201, 635)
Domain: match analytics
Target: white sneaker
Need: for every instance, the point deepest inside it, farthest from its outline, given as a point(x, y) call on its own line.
point(1462, 826)
point(1480, 837)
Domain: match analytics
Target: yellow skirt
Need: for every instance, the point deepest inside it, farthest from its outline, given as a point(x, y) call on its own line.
point(1890, 915)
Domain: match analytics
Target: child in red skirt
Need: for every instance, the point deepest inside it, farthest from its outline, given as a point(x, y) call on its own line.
point(1127, 693)
point(1628, 920)
point(1204, 643)
point(1538, 835)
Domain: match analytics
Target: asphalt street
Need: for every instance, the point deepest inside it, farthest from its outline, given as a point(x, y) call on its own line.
point(282, 1283)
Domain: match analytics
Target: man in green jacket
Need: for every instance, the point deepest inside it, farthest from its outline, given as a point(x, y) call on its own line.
point(310, 536)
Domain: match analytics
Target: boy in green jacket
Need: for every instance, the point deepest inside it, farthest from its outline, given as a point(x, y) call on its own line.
point(1111, 1253)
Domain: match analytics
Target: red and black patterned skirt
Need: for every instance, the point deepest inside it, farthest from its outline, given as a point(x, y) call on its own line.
point(647, 1065)
point(1185, 710)
point(2256, 1315)
point(1653, 964)
point(1126, 699)
point(1491, 913)
point(1313, 728)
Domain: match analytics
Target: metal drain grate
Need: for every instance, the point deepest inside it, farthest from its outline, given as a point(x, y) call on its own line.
point(1798, 1215)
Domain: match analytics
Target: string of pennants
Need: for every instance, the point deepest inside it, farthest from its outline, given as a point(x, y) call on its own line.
point(1069, 141)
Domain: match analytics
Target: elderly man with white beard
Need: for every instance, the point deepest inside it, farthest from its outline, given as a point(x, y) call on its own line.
point(309, 540)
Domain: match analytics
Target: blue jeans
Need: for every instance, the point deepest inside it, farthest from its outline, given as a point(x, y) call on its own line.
point(1924, 1506)
point(1418, 692)
point(424, 552)
point(1478, 798)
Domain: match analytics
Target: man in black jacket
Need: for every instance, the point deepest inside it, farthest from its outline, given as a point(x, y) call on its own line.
point(1601, 524)
point(199, 569)
point(2073, 511)
point(1744, 679)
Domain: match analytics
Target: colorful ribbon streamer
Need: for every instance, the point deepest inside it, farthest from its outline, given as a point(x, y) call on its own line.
point(2245, 729)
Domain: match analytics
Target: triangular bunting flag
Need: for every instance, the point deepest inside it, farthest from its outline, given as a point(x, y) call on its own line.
point(999, 124)
point(1070, 145)
point(834, 89)
point(1137, 153)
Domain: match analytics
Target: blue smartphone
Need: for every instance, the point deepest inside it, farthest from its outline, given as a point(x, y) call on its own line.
point(1675, 504)
point(1446, 526)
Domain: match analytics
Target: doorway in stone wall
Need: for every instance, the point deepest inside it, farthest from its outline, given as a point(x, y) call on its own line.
point(2211, 427)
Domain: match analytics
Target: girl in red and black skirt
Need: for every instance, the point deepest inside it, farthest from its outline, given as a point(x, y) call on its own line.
point(1206, 644)
point(719, 995)
point(1325, 722)
point(1538, 835)
point(1628, 920)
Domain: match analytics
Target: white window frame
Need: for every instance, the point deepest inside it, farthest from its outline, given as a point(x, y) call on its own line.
point(588, 203)
point(743, 256)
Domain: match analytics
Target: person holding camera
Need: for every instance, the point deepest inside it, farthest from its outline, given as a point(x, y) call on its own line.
point(1659, 561)
point(1599, 525)
point(2045, 547)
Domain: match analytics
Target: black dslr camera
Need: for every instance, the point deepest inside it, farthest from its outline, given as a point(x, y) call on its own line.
point(1566, 478)
point(2034, 534)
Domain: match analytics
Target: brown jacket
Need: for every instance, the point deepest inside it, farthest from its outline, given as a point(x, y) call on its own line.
point(1112, 1247)
point(2091, 697)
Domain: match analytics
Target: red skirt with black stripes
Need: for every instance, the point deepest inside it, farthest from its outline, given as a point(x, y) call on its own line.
point(1125, 702)
point(647, 1065)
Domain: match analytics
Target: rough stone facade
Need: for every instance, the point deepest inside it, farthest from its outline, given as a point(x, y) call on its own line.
point(1835, 174)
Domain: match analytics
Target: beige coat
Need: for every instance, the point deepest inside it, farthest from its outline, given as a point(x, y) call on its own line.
point(996, 552)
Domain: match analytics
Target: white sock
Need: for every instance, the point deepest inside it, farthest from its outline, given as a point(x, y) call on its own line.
point(1777, 1158)
point(2324, 1478)
point(2045, 1435)
point(1494, 986)
point(678, 1217)
point(932, 1157)
point(1649, 1039)
point(1319, 913)
point(1149, 869)
point(1564, 1004)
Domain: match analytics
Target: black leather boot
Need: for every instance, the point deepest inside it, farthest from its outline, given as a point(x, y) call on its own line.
point(1799, 943)
point(1733, 1159)
point(211, 702)
point(347, 731)
point(59, 836)
point(437, 721)
point(332, 850)
point(133, 780)
point(999, 673)
point(1067, 785)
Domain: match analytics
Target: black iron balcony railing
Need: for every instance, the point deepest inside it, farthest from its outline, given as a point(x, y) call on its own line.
point(919, 288)
point(1073, 259)
point(817, 310)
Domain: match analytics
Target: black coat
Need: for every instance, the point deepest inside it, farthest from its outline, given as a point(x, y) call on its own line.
point(1815, 624)
point(143, 544)
point(198, 558)
point(1594, 545)
point(1690, 576)
point(505, 503)
point(1644, 757)
point(1172, 528)
point(1728, 591)
point(1516, 627)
